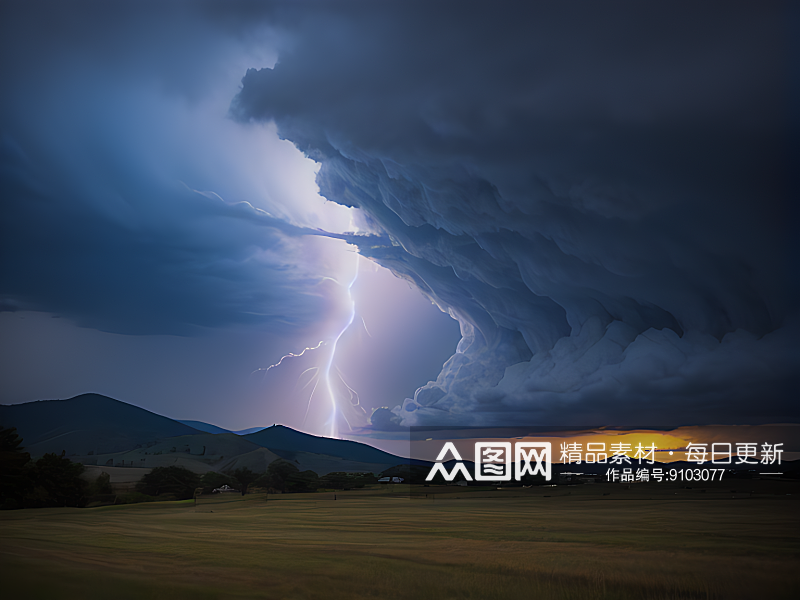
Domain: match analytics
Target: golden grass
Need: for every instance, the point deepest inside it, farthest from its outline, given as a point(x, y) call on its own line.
point(655, 541)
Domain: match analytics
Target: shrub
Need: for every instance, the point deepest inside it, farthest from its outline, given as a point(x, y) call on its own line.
point(57, 482)
point(178, 482)
point(339, 480)
point(101, 485)
point(283, 476)
point(244, 477)
point(305, 481)
point(134, 498)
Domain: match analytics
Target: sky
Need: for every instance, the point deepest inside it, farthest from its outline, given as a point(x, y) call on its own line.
point(470, 214)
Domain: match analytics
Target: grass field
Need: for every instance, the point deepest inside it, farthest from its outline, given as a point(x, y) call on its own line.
point(654, 541)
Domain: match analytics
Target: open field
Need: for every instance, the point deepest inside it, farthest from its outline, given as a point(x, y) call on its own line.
point(657, 541)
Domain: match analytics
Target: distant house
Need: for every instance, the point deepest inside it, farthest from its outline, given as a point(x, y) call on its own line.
point(390, 480)
point(579, 478)
point(224, 488)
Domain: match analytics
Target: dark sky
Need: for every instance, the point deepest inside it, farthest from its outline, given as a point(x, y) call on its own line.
point(600, 196)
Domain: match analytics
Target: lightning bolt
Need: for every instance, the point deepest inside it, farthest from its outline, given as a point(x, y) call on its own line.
point(365, 327)
point(323, 373)
point(326, 373)
point(285, 356)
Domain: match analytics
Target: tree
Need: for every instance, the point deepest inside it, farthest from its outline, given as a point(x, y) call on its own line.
point(265, 481)
point(14, 480)
point(245, 477)
point(304, 481)
point(50, 481)
point(58, 482)
point(278, 472)
point(529, 479)
point(101, 485)
point(173, 481)
point(283, 476)
point(339, 480)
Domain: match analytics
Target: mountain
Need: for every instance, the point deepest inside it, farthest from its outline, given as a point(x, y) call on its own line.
point(89, 423)
point(209, 428)
point(206, 427)
point(285, 442)
point(97, 430)
point(248, 430)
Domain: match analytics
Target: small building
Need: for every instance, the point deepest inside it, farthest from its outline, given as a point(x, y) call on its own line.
point(568, 477)
point(590, 479)
point(223, 489)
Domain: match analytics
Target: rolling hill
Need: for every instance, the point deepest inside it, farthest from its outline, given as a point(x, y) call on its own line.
point(97, 430)
point(199, 453)
point(209, 428)
point(285, 441)
point(206, 427)
point(89, 423)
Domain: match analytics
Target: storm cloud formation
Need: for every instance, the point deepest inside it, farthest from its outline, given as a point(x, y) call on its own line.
point(598, 195)
point(131, 203)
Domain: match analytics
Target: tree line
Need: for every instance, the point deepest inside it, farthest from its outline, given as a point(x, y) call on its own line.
point(54, 480)
point(281, 477)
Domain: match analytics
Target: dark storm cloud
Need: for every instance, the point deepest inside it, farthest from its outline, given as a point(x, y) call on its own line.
point(155, 259)
point(177, 44)
point(104, 130)
point(598, 193)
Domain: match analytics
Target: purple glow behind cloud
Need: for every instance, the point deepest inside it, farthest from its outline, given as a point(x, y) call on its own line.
point(167, 237)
